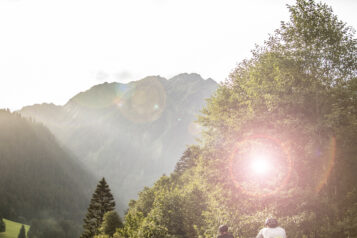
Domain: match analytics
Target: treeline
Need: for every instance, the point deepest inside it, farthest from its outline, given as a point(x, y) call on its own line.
point(41, 184)
point(298, 94)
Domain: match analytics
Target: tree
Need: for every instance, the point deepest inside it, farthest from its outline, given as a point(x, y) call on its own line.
point(2, 225)
point(299, 89)
point(102, 202)
point(188, 159)
point(111, 221)
point(22, 233)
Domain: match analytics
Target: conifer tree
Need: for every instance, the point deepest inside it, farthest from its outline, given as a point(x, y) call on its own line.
point(2, 225)
point(22, 233)
point(102, 202)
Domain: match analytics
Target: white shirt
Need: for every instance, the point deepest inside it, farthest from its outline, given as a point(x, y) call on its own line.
point(276, 232)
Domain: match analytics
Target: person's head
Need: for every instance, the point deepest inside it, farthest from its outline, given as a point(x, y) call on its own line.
point(223, 229)
point(271, 222)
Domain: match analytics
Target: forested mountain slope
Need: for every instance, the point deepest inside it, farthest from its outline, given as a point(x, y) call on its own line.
point(130, 133)
point(38, 178)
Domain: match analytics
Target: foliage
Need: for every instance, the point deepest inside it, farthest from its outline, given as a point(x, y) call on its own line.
point(299, 87)
point(111, 221)
point(2, 225)
point(165, 211)
point(22, 233)
point(102, 202)
point(188, 159)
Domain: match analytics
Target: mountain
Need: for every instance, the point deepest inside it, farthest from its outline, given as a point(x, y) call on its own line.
point(39, 179)
point(130, 133)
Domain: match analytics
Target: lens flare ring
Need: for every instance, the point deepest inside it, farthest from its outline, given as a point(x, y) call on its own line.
point(143, 101)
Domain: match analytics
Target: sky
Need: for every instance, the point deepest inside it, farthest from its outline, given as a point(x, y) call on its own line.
point(51, 50)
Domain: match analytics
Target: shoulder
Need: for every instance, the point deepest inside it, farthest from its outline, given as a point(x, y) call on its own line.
point(261, 233)
point(278, 231)
point(281, 229)
point(263, 230)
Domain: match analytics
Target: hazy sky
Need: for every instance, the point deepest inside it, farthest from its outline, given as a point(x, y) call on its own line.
point(51, 50)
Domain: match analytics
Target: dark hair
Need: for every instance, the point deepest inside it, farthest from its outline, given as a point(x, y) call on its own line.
point(223, 228)
point(271, 222)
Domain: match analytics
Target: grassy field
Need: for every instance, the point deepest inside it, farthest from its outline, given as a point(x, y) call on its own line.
point(12, 229)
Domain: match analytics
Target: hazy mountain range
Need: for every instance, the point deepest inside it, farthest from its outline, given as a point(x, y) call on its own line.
point(129, 133)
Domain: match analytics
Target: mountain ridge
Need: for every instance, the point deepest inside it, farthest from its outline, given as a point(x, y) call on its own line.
point(130, 133)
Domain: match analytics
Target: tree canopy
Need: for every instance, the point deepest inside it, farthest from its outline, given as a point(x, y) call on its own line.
point(111, 221)
point(295, 98)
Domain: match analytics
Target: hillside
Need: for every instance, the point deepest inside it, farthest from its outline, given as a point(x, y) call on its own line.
point(12, 229)
point(38, 178)
point(131, 133)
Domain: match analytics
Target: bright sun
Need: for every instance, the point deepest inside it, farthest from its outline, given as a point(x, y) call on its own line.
point(260, 164)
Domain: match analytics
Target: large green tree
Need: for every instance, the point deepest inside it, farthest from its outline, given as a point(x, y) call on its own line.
point(300, 88)
point(102, 202)
point(298, 91)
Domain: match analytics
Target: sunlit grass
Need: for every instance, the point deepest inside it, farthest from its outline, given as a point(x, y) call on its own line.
point(12, 229)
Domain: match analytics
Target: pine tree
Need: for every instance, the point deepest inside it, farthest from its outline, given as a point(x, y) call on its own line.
point(22, 233)
point(2, 225)
point(102, 202)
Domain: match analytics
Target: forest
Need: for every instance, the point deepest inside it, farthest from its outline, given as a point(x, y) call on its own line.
point(40, 182)
point(278, 140)
point(294, 99)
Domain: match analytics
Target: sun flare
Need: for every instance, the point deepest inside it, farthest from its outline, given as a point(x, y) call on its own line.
point(260, 165)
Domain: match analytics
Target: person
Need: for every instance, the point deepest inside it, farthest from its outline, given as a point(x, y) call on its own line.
point(223, 231)
point(272, 230)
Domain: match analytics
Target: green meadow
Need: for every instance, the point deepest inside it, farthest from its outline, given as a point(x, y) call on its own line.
point(12, 229)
